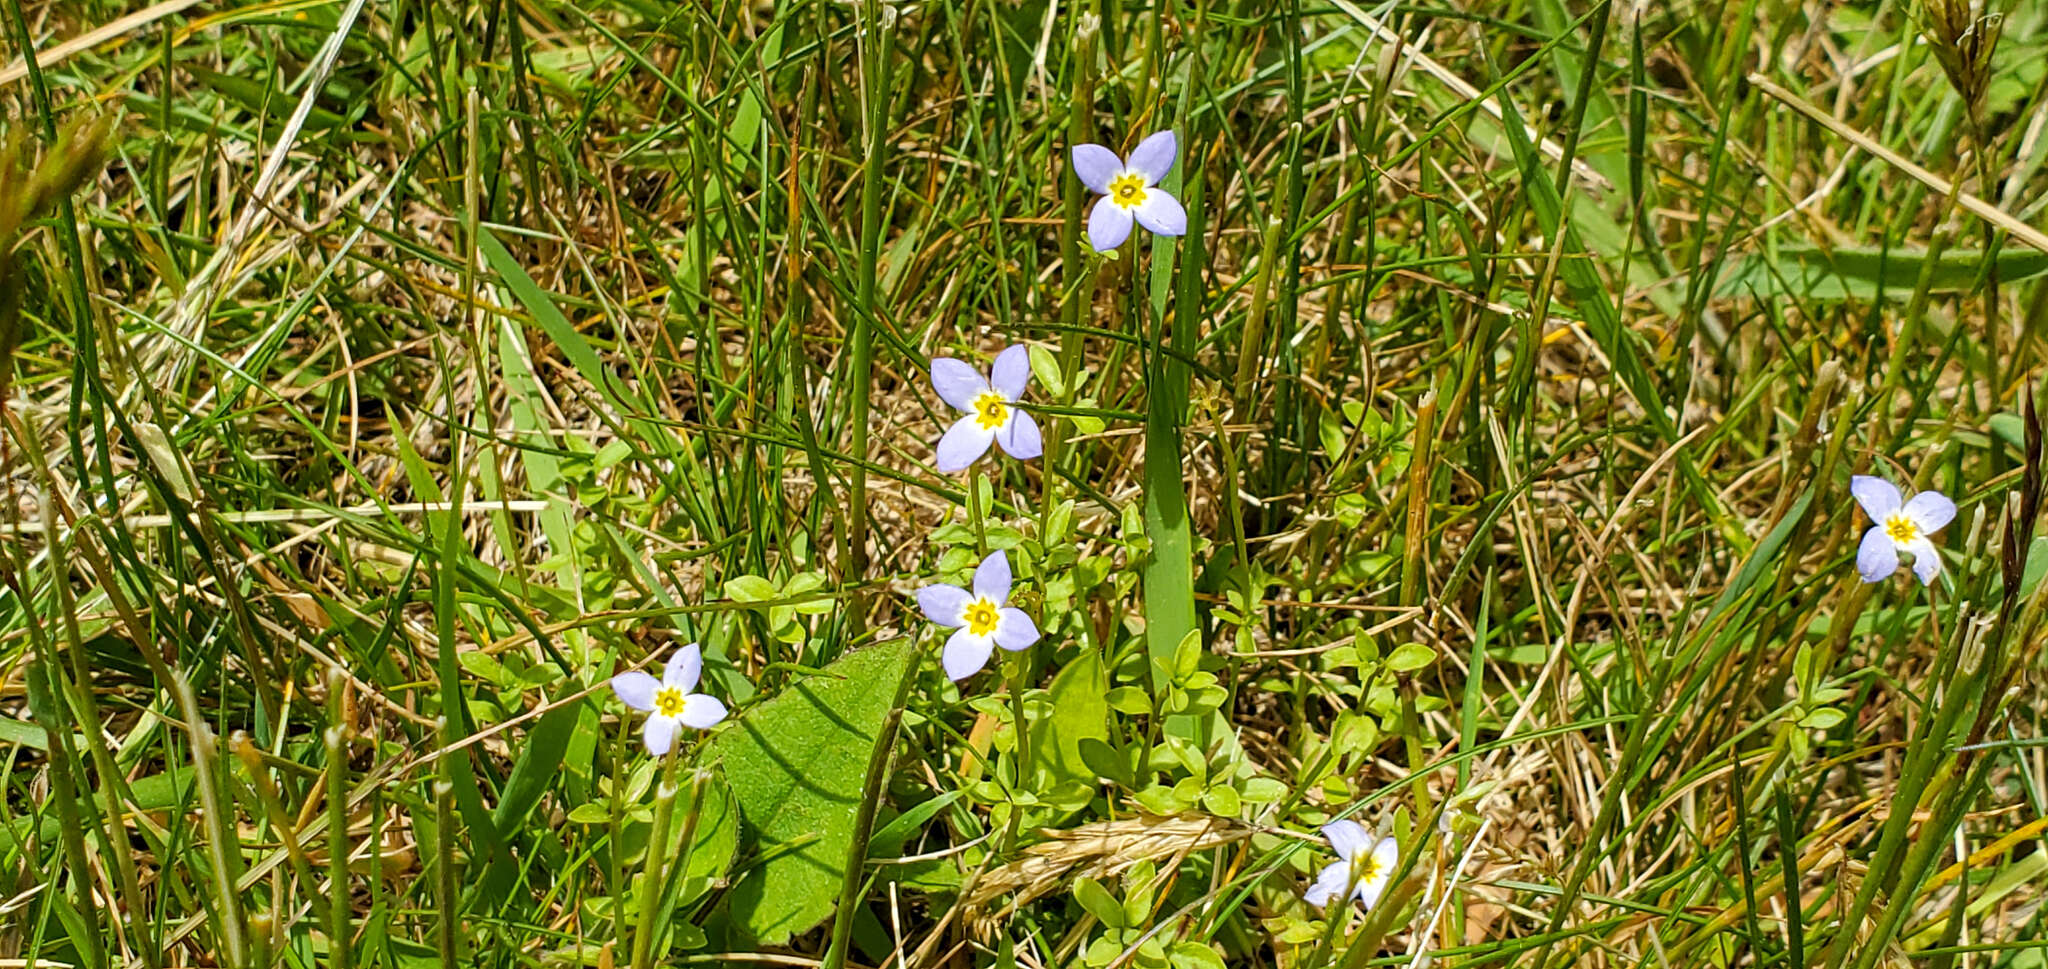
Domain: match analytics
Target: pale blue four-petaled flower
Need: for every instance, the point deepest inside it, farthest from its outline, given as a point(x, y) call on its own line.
point(991, 406)
point(668, 702)
point(1130, 190)
point(982, 619)
point(1899, 525)
point(1364, 865)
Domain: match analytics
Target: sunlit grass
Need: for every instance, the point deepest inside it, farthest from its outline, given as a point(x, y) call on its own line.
point(1468, 454)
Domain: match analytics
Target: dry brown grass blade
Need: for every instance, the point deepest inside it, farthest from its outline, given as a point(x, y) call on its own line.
point(59, 54)
point(1982, 209)
point(1101, 850)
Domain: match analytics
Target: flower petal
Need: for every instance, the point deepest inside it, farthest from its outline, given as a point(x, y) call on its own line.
point(944, 604)
point(636, 689)
point(684, 668)
point(701, 710)
point(992, 577)
point(1877, 496)
point(1153, 157)
point(965, 442)
point(1109, 224)
point(1930, 510)
point(1385, 856)
point(965, 654)
point(1347, 838)
point(1878, 557)
point(1162, 213)
point(659, 734)
point(1330, 884)
point(1095, 165)
point(957, 382)
point(1012, 370)
point(1015, 630)
point(1019, 436)
point(1926, 559)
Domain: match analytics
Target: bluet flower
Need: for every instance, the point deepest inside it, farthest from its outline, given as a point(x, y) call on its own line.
point(1130, 190)
point(668, 701)
point(1365, 866)
point(1899, 526)
point(991, 406)
point(982, 618)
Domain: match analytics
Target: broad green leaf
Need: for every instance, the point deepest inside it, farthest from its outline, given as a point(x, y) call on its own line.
point(797, 763)
point(1866, 273)
point(718, 830)
point(1080, 712)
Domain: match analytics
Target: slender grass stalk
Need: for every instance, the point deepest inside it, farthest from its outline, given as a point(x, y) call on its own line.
point(686, 843)
point(44, 698)
point(262, 938)
point(279, 818)
point(873, 789)
point(447, 893)
point(334, 737)
point(222, 844)
point(876, 30)
point(113, 832)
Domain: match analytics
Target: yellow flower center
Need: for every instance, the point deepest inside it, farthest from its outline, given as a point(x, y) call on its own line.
point(991, 410)
point(1127, 190)
point(1901, 529)
point(1368, 865)
point(669, 701)
point(981, 617)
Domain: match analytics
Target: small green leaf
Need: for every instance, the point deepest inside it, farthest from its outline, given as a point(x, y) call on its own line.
point(590, 813)
point(1351, 509)
point(1824, 718)
point(1130, 700)
point(1222, 801)
point(1194, 955)
point(1105, 761)
point(1409, 657)
point(1187, 657)
point(889, 841)
point(1160, 799)
point(1264, 790)
point(751, 588)
point(1046, 368)
point(1099, 902)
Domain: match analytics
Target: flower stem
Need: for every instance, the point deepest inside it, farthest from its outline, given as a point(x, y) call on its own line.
point(652, 872)
point(974, 514)
point(1016, 668)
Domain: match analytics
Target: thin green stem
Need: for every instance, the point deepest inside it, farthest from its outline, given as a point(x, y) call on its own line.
point(653, 870)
